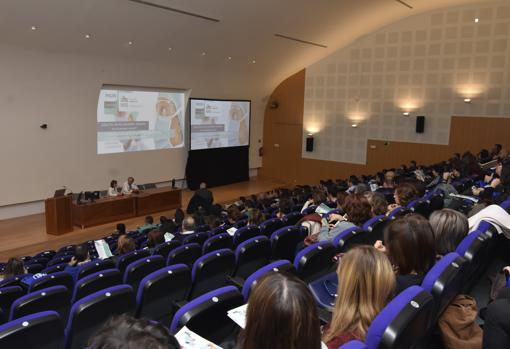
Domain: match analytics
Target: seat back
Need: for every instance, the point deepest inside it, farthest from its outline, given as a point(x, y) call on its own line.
point(139, 269)
point(160, 289)
point(374, 229)
point(54, 298)
point(164, 249)
point(245, 233)
point(349, 238)
point(404, 322)
point(89, 313)
point(251, 255)
point(12, 281)
point(207, 314)
point(46, 254)
point(217, 242)
point(54, 268)
point(129, 258)
point(353, 345)
point(292, 218)
point(7, 296)
point(285, 240)
point(269, 226)
point(210, 271)
point(314, 261)
point(324, 290)
point(185, 254)
point(444, 281)
point(39, 260)
point(420, 207)
point(218, 230)
point(95, 266)
point(275, 267)
point(59, 260)
point(309, 210)
point(61, 278)
point(34, 268)
point(196, 238)
point(41, 330)
point(475, 249)
point(95, 282)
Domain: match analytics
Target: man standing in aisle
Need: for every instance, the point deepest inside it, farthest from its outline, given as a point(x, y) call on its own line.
point(129, 187)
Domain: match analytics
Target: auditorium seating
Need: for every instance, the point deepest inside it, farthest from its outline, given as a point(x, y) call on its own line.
point(164, 249)
point(185, 254)
point(275, 267)
point(56, 279)
point(217, 242)
point(137, 270)
point(95, 266)
point(55, 298)
point(210, 271)
point(251, 255)
point(285, 240)
point(245, 233)
point(314, 261)
point(95, 282)
point(129, 258)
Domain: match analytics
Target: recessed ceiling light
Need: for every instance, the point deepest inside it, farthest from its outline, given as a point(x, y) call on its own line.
point(87, 36)
point(406, 113)
point(204, 53)
point(169, 49)
point(354, 125)
point(33, 27)
point(130, 43)
point(229, 58)
point(254, 61)
point(477, 20)
point(467, 100)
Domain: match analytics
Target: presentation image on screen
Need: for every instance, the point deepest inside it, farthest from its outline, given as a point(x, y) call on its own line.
point(219, 124)
point(131, 120)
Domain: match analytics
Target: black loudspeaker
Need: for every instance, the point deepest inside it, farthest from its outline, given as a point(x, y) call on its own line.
point(309, 144)
point(420, 124)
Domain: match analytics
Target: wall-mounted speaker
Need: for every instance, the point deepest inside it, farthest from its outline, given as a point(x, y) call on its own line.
point(309, 143)
point(420, 124)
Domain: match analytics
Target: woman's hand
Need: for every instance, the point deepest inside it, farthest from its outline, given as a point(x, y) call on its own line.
point(335, 217)
point(380, 246)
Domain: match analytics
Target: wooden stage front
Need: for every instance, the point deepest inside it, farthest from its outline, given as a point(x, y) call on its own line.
point(25, 236)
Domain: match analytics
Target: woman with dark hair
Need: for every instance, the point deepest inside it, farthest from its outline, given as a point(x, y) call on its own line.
point(154, 238)
point(13, 267)
point(409, 244)
point(112, 189)
point(404, 194)
point(357, 211)
point(255, 216)
point(377, 202)
point(281, 314)
point(120, 229)
point(124, 331)
point(449, 227)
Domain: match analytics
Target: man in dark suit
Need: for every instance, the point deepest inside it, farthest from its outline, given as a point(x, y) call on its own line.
point(203, 197)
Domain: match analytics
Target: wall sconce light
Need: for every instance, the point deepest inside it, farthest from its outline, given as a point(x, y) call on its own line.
point(467, 100)
point(354, 125)
point(406, 113)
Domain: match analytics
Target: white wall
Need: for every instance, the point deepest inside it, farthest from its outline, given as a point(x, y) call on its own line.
point(61, 90)
point(426, 65)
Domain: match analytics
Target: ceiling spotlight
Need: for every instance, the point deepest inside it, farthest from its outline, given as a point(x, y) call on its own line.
point(204, 53)
point(130, 43)
point(169, 49)
point(229, 58)
point(477, 20)
point(87, 36)
point(406, 113)
point(33, 27)
point(354, 125)
point(254, 61)
point(467, 100)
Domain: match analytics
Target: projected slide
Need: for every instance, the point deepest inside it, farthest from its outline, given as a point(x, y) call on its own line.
point(130, 120)
point(219, 124)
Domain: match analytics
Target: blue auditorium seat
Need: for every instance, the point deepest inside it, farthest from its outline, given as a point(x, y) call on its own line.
point(130, 257)
point(292, 218)
point(196, 238)
point(42, 330)
point(95, 282)
point(7, 296)
point(324, 290)
point(185, 254)
point(160, 290)
point(285, 240)
point(164, 249)
point(275, 267)
point(404, 321)
point(217, 242)
point(211, 271)
point(245, 233)
point(139, 269)
point(347, 239)
point(269, 226)
point(60, 278)
point(207, 314)
point(95, 266)
point(314, 261)
point(55, 298)
point(251, 255)
point(353, 345)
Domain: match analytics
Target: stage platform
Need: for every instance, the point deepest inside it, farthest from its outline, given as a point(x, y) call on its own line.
point(25, 236)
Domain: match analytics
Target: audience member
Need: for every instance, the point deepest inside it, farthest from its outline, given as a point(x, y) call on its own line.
point(147, 225)
point(167, 225)
point(409, 244)
point(449, 227)
point(255, 216)
point(126, 332)
point(281, 314)
point(13, 267)
point(154, 238)
point(179, 217)
point(378, 203)
point(234, 214)
point(404, 194)
point(81, 256)
point(366, 282)
point(188, 228)
point(120, 229)
point(125, 244)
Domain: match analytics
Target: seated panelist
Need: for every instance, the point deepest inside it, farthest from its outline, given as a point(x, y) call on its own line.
point(130, 187)
point(112, 190)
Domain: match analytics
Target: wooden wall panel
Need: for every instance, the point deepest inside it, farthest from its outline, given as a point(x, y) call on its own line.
point(283, 129)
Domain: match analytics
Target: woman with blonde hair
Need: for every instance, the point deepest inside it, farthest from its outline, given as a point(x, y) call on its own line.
point(366, 283)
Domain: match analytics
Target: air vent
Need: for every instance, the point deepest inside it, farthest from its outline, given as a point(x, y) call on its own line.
point(300, 40)
point(167, 8)
point(403, 3)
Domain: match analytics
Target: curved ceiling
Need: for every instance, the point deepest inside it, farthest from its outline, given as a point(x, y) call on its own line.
point(245, 30)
